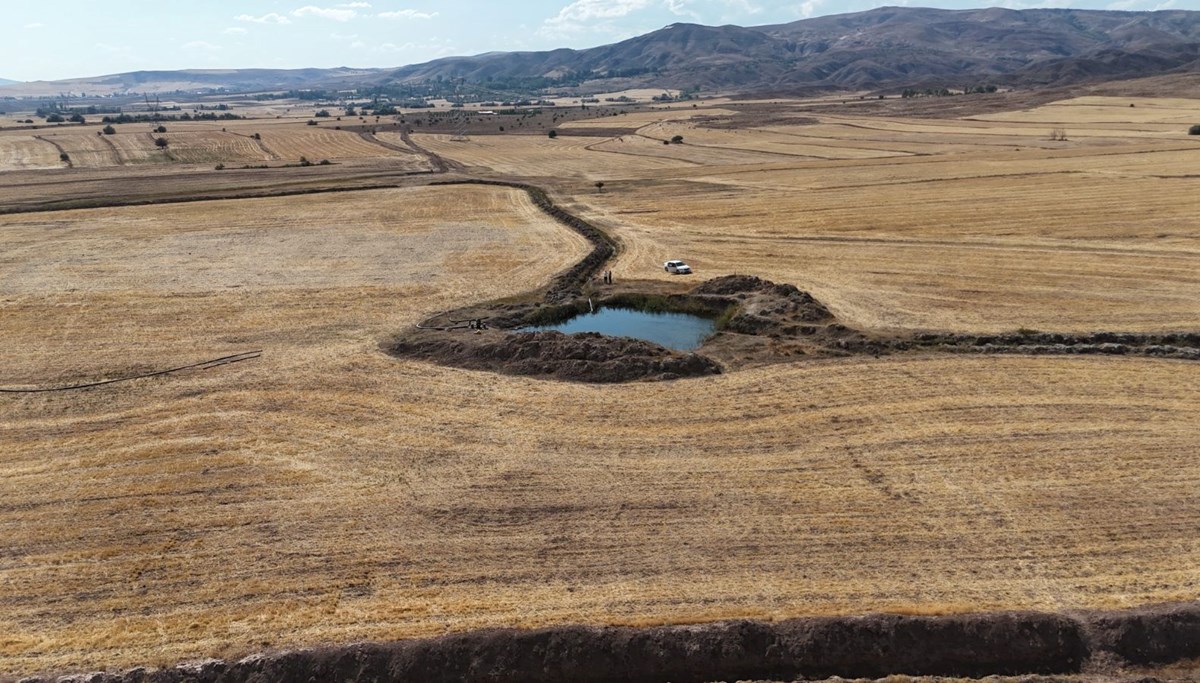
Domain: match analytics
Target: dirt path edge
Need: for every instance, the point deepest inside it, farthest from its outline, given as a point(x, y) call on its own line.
point(970, 645)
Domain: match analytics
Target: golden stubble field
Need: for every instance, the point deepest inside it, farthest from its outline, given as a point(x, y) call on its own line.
point(948, 224)
point(327, 493)
point(231, 143)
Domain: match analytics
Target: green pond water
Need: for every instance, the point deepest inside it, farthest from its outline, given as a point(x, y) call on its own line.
point(679, 331)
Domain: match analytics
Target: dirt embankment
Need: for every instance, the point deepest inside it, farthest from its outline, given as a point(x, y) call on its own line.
point(759, 322)
point(978, 645)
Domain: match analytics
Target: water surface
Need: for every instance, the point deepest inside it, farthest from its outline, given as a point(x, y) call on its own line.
point(679, 331)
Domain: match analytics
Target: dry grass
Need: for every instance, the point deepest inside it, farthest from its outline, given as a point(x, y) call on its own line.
point(529, 155)
point(192, 142)
point(333, 495)
point(978, 226)
point(21, 150)
point(328, 493)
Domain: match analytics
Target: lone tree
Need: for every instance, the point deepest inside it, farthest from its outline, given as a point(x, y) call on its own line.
point(553, 134)
point(160, 129)
point(1058, 134)
point(109, 130)
point(677, 140)
point(160, 143)
point(599, 185)
point(1194, 130)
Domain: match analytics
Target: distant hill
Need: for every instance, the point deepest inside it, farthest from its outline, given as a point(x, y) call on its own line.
point(887, 47)
point(879, 47)
point(5, 81)
point(233, 80)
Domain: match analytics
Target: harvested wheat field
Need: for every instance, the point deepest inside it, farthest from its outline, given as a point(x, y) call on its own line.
point(327, 493)
point(959, 233)
point(193, 142)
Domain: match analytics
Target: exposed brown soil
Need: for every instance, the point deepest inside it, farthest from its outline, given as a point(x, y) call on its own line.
point(1046, 646)
point(762, 323)
point(586, 357)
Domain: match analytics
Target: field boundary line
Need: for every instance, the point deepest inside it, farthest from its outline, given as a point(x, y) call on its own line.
point(62, 152)
point(569, 282)
point(203, 365)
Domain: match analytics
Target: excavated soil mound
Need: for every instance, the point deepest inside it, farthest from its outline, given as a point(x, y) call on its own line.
point(760, 322)
point(872, 646)
point(583, 357)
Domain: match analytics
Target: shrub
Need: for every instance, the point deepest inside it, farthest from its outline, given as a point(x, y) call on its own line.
point(311, 122)
point(219, 167)
point(160, 129)
point(77, 118)
point(677, 140)
point(109, 130)
point(54, 118)
point(1194, 130)
point(326, 162)
point(553, 134)
point(64, 157)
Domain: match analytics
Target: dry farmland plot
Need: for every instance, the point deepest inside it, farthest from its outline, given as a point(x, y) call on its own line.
point(984, 227)
point(228, 142)
point(315, 143)
point(227, 260)
point(327, 493)
point(336, 495)
point(21, 150)
point(529, 155)
point(1167, 113)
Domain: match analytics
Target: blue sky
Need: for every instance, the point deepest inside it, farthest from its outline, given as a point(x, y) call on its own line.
point(77, 38)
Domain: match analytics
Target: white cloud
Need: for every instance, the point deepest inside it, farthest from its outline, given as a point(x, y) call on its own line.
point(234, 31)
point(743, 6)
point(807, 8)
point(121, 50)
point(201, 45)
point(1140, 5)
point(432, 48)
point(680, 8)
point(35, 25)
point(407, 14)
point(271, 18)
point(356, 5)
point(591, 14)
point(1043, 4)
point(331, 13)
point(341, 36)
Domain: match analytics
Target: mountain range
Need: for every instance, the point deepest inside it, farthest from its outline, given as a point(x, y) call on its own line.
point(887, 47)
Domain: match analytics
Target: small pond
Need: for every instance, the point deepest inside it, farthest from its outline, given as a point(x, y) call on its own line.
point(679, 331)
